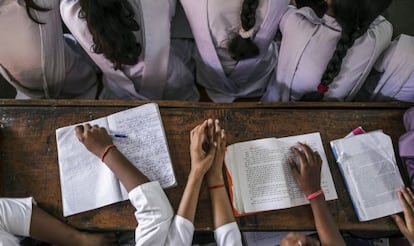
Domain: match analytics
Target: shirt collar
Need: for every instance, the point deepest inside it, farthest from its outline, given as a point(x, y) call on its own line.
point(326, 20)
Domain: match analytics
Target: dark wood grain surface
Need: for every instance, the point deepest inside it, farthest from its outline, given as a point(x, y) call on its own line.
point(28, 155)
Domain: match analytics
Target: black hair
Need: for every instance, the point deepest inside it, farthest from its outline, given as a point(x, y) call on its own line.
point(354, 17)
point(318, 6)
point(112, 23)
point(30, 4)
point(244, 48)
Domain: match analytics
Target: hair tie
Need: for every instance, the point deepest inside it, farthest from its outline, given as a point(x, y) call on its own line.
point(246, 34)
point(322, 89)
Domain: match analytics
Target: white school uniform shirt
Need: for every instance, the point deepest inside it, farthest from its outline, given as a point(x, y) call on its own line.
point(308, 43)
point(159, 226)
point(397, 68)
point(15, 218)
point(159, 73)
point(36, 59)
point(214, 23)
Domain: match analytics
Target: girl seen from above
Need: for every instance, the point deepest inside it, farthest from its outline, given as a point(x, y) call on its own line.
point(37, 58)
point(130, 42)
point(393, 75)
point(328, 49)
point(236, 56)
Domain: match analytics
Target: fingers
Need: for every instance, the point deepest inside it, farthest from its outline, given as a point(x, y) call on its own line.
point(220, 135)
point(307, 151)
point(195, 134)
point(407, 203)
point(79, 132)
point(210, 131)
point(409, 196)
point(400, 223)
point(300, 155)
point(294, 168)
point(318, 158)
point(223, 138)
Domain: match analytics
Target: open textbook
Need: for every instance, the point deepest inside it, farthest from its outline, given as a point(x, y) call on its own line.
point(260, 177)
point(368, 165)
point(87, 183)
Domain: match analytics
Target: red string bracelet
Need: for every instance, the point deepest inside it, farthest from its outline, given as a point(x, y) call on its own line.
point(106, 151)
point(314, 195)
point(216, 186)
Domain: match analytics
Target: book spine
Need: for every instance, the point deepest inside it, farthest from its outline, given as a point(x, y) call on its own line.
point(354, 203)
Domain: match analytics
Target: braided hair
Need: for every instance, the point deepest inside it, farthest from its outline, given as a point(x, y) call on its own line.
point(30, 4)
point(111, 23)
point(354, 17)
point(244, 48)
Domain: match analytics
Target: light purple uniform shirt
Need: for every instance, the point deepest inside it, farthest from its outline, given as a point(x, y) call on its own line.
point(308, 43)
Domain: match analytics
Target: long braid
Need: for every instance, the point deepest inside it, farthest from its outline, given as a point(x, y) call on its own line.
point(244, 48)
point(355, 17)
point(112, 23)
point(30, 4)
point(334, 66)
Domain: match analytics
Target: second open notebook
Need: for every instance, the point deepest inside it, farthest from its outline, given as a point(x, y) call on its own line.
point(87, 183)
point(260, 177)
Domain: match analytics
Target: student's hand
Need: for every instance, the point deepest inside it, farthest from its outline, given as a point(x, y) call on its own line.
point(96, 139)
point(202, 154)
point(406, 197)
point(215, 174)
point(308, 172)
point(295, 239)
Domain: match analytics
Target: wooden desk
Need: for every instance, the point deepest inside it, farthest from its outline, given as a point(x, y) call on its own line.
point(29, 166)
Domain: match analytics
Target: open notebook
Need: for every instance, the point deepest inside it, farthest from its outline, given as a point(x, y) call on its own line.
point(88, 184)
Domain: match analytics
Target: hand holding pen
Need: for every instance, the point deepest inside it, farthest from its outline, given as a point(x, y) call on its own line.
point(96, 139)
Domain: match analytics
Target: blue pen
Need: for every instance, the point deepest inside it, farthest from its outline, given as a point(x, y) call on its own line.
point(119, 136)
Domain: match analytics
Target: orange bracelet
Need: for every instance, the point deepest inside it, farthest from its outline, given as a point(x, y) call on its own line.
point(106, 151)
point(314, 195)
point(216, 186)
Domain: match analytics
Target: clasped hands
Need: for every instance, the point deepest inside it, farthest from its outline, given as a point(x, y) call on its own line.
point(207, 149)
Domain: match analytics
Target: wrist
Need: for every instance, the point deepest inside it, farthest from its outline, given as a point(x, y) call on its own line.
point(196, 174)
point(317, 200)
point(213, 180)
point(216, 187)
point(106, 151)
point(314, 195)
point(311, 191)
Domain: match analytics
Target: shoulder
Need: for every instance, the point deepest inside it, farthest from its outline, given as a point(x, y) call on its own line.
point(399, 54)
point(381, 28)
point(294, 18)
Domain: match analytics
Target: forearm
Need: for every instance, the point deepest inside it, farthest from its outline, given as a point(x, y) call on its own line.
point(220, 203)
point(327, 229)
point(188, 204)
point(123, 169)
point(42, 224)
